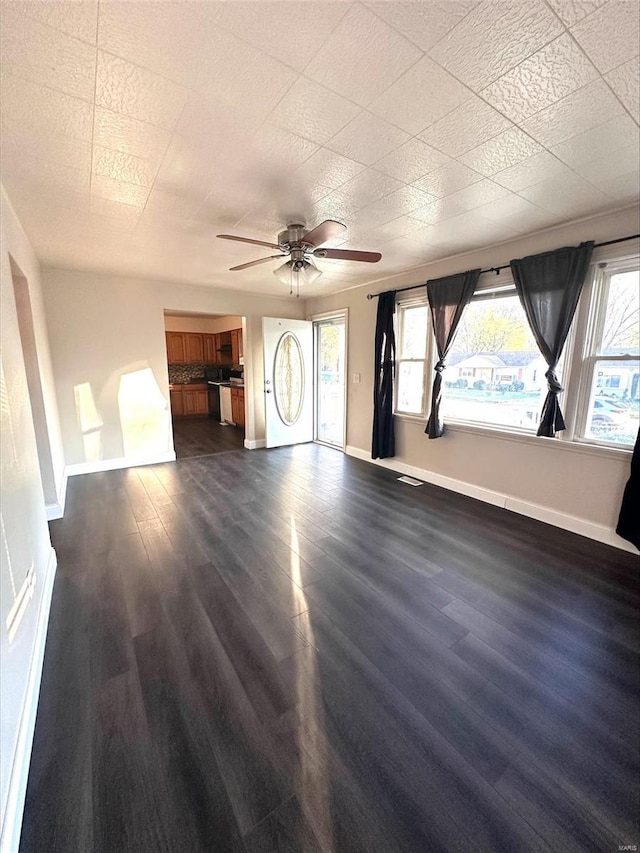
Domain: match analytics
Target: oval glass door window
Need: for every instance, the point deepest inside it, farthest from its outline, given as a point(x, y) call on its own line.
point(288, 379)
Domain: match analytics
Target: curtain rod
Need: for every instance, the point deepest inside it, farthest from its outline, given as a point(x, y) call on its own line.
point(496, 270)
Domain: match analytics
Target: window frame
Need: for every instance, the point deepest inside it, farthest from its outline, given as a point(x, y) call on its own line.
point(401, 306)
point(589, 323)
point(575, 378)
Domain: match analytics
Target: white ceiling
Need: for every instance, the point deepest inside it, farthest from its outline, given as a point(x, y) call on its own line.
point(134, 132)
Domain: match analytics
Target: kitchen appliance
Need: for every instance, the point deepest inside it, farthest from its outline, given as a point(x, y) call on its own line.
point(216, 377)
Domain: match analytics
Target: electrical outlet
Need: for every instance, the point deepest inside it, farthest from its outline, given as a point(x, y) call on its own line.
point(356, 378)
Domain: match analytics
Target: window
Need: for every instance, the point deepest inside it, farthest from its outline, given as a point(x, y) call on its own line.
point(495, 373)
point(411, 343)
point(609, 409)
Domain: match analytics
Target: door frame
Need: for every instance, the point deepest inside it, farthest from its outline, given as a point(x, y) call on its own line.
point(316, 319)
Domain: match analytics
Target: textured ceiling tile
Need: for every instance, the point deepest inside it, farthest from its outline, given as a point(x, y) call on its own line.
point(367, 138)
point(516, 212)
point(241, 76)
point(572, 11)
point(574, 114)
point(368, 187)
point(625, 189)
point(408, 199)
point(495, 37)
point(166, 38)
point(183, 205)
point(625, 82)
point(113, 190)
point(289, 31)
point(479, 193)
point(46, 56)
point(312, 111)
point(328, 169)
point(604, 170)
point(361, 57)
point(47, 175)
point(420, 97)
point(411, 161)
point(531, 171)
point(466, 127)
point(277, 148)
point(610, 36)
point(65, 150)
point(130, 136)
point(122, 167)
point(571, 196)
point(78, 19)
point(400, 227)
point(127, 214)
point(501, 152)
point(448, 179)
point(598, 142)
point(133, 91)
point(337, 205)
point(544, 78)
point(437, 211)
point(423, 23)
point(188, 169)
point(28, 107)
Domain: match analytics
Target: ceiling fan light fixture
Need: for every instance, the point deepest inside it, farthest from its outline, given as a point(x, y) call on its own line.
point(296, 273)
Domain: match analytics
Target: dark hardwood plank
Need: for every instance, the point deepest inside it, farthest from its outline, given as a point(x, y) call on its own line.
point(201, 436)
point(288, 650)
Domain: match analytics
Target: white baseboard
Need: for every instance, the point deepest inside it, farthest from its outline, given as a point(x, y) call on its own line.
point(17, 789)
point(56, 510)
point(542, 513)
point(114, 464)
point(255, 444)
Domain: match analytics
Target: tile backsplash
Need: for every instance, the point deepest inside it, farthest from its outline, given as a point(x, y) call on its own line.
point(179, 373)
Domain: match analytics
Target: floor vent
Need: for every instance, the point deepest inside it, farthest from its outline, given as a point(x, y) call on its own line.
point(410, 481)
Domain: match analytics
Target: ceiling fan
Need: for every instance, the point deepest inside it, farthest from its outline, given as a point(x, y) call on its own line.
point(303, 246)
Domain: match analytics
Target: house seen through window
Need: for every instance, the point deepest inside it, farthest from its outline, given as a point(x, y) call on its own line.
point(495, 373)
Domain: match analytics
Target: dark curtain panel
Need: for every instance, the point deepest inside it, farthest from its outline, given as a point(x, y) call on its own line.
point(549, 286)
point(383, 443)
point(629, 519)
point(448, 297)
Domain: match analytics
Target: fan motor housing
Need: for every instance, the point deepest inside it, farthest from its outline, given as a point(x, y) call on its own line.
point(292, 234)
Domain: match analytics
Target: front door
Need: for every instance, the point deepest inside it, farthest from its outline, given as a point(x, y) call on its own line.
point(288, 380)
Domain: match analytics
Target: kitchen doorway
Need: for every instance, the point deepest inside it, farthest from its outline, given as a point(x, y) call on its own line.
point(330, 358)
point(205, 363)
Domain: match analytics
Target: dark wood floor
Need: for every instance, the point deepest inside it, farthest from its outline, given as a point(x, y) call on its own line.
point(199, 436)
point(288, 650)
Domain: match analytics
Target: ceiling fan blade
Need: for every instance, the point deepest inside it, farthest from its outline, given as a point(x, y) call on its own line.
point(248, 240)
point(254, 263)
point(348, 255)
point(323, 232)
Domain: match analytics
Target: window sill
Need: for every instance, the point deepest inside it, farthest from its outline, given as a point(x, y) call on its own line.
point(576, 446)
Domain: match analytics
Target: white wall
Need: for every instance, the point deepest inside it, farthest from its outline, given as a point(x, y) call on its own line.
point(25, 534)
point(104, 327)
point(210, 325)
point(544, 473)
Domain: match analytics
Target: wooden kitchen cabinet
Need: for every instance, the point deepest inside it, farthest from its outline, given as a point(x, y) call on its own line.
point(195, 348)
point(210, 349)
point(176, 349)
point(177, 404)
point(189, 400)
point(236, 346)
point(237, 406)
